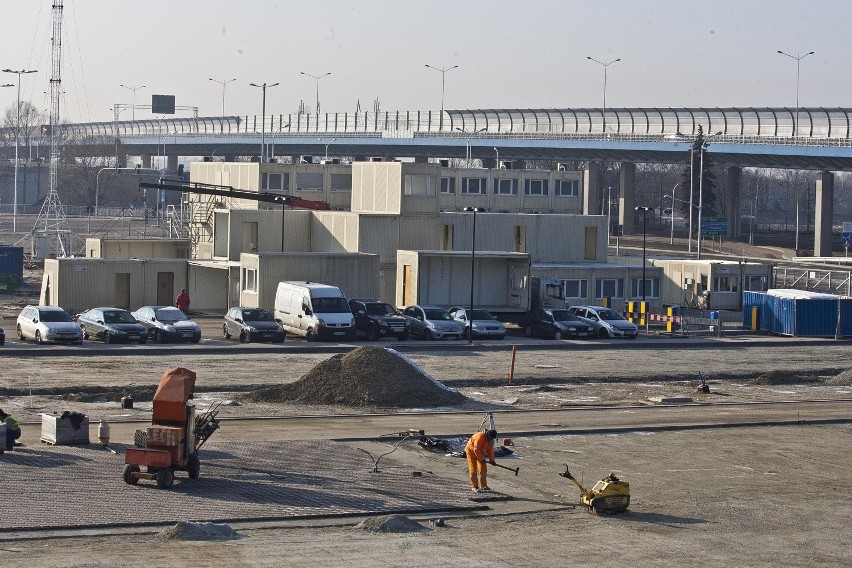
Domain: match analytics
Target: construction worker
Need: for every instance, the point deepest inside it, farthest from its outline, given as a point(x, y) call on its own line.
point(13, 429)
point(182, 302)
point(479, 449)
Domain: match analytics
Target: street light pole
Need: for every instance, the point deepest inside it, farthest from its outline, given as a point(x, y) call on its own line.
point(473, 210)
point(134, 89)
point(224, 83)
point(263, 120)
point(704, 145)
point(327, 144)
point(644, 211)
point(317, 78)
point(17, 142)
point(498, 157)
point(605, 65)
point(671, 214)
point(469, 154)
point(798, 59)
point(443, 71)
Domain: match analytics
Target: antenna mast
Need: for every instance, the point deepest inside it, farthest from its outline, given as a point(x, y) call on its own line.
point(52, 215)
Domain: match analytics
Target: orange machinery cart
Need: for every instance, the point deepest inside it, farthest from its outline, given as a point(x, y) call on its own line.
point(172, 441)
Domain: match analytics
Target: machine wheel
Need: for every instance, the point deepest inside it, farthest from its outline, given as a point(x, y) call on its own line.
point(158, 336)
point(193, 466)
point(20, 333)
point(372, 333)
point(244, 338)
point(311, 336)
point(38, 338)
point(165, 478)
point(225, 332)
point(107, 337)
point(557, 334)
point(129, 470)
point(528, 331)
point(603, 334)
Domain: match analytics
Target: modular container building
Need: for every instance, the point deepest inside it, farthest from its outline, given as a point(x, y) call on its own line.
point(137, 248)
point(685, 281)
point(12, 260)
point(798, 313)
point(77, 284)
point(500, 280)
point(356, 274)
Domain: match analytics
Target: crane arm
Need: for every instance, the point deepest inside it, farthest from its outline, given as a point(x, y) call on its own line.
point(228, 191)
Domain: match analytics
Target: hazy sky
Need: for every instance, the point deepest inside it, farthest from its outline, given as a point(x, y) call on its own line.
point(510, 53)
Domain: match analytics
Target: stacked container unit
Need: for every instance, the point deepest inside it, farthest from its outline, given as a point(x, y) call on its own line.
point(798, 313)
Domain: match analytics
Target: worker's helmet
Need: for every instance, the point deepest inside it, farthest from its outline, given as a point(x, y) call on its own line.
point(492, 434)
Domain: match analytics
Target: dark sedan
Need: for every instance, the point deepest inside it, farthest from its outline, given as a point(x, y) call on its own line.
point(555, 324)
point(112, 325)
point(252, 324)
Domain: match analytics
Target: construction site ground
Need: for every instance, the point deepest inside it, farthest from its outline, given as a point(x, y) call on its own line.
point(752, 473)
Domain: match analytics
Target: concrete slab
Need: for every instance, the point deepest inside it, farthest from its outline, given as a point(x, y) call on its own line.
point(48, 487)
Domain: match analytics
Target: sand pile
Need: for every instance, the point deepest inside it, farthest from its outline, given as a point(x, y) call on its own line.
point(843, 379)
point(390, 524)
point(366, 376)
point(778, 378)
point(186, 530)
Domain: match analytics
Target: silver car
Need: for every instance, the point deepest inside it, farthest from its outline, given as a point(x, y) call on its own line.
point(485, 326)
point(605, 322)
point(432, 322)
point(48, 324)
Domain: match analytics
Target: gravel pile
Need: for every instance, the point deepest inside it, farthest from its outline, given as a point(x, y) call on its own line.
point(390, 524)
point(366, 376)
point(843, 379)
point(186, 530)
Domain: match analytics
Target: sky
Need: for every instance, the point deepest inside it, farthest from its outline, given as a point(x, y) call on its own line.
point(510, 54)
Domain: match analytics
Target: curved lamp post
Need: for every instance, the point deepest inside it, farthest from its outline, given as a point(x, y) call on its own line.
point(133, 89)
point(224, 83)
point(17, 135)
point(604, 65)
point(263, 86)
point(317, 78)
point(798, 59)
point(473, 210)
point(468, 155)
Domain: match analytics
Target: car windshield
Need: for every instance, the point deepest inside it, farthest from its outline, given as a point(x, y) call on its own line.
point(118, 317)
point(170, 315)
point(380, 309)
point(256, 315)
point(482, 315)
point(610, 315)
point(330, 305)
point(54, 316)
point(436, 314)
point(563, 315)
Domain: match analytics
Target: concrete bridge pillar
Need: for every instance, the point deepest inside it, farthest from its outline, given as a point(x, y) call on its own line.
point(823, 214)
point(592, 188)
point(627, 198)
point(146, 160)
point(171, 162)
point(735, 176)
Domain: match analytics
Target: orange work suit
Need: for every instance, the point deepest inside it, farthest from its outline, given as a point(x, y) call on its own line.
point(479, 449)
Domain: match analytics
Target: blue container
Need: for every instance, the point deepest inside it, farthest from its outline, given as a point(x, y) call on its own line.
point(12, 260)
point(714, 315)
point(799, 317)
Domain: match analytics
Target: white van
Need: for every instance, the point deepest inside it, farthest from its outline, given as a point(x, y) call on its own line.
point(315, 311)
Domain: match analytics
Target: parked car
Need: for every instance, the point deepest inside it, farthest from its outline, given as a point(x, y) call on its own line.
point(432, 322)
point(2, 337)
point(48, 324)
point(606, 322)
point(555, 324)
point(378, 319)
point(112, 324)
point(484, 324)
point(165, 323)
point(252, 324)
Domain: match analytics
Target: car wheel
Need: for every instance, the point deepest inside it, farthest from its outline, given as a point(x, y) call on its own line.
point(427, 335)
point(466, 334)
point(143, 341)
point(500, 337)
point(20, 333)
point(311, 336)
point(197, 339)
point(158, 336)
point(85, 334)
point(404, 337)
point(603, 333)
point(244, 338)
point(107, 337)
point(225, 332)
point(557, 334)
point(165, 478)
point(128, 472)
point(372, 333)
point(528, 331)
point(38, 338)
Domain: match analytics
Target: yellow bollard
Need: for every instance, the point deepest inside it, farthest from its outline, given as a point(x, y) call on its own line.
point(754, 318)
point(669, 312)
point(643, 307)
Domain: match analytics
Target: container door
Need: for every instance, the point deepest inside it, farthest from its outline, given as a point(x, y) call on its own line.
point(407, 292)
point(122, 290)
point(165, 288)
point(591, 248)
